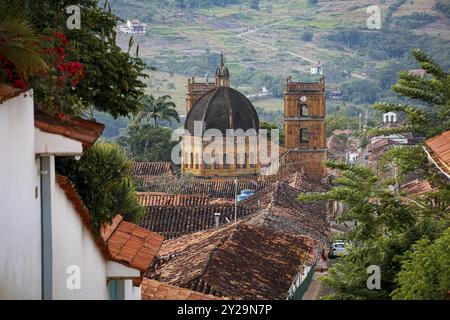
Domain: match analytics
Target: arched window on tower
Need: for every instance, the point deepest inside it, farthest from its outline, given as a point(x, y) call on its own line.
point(303, 110)
point(304, 136)
point(197, 161)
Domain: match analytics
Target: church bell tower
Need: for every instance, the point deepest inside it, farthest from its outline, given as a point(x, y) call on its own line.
point(305, 131)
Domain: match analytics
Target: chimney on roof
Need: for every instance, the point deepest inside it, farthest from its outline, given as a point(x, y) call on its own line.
point(217, 219)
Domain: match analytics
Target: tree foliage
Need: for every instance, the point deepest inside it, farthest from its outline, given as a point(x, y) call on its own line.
point(113, 78)
point(148, 143)
point(426, 273)
point(18, 39)
point(432, 116)
point(103, 180)
point(154, 109)
point(389, 224)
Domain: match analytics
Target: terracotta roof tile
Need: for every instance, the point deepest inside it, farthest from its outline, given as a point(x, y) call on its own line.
point(440, 150)
point(151, 199)
point(224, 189)
point(154, 290)
point(175, 221)
point(131, 245)
point(239, 261)
point(8, 92)
point(151, 169)
point(288, 215)
point(85, 131)
point(417, 187)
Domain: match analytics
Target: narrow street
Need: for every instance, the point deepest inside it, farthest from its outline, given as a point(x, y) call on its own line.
point(318, 290)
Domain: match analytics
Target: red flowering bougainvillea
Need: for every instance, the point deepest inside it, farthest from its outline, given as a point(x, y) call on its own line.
point(53, 86)
point(12, 76)
point(69, 73)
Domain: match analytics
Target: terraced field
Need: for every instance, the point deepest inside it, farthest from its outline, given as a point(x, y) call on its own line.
point(268, 42)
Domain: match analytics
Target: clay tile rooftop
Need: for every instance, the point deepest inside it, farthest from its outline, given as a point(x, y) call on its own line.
point(223, 189)
point(439, 151)
point(85, 131)
point(283, 212)
point(152, 199)
point(130, 244)
point(211, 262)
point(417, 187)
point(151, 169)
point(155, 290)
point(176, 221)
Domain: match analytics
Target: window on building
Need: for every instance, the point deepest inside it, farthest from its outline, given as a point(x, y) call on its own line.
point(303, 110)
point(252, 160)
point(207, 162)
point(225, 163)
point(197, 161)
point(304, 136)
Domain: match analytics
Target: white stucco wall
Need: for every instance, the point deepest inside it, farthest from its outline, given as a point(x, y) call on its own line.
point(73, 245)
point(132, 292)
point(20, 254)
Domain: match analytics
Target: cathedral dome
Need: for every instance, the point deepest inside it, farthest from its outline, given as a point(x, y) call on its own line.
point(223, 108)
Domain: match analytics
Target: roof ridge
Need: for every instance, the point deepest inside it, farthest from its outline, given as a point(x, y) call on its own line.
point(220, 244)
point(107, 230)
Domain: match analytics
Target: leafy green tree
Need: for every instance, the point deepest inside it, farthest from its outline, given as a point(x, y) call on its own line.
point(113, 78)
point(388, 225)
point(433, 94)
point(18, 39)
point(148, 143)
point(161, 108)
point(426, 273)
point(307, 36)
point(103, 180)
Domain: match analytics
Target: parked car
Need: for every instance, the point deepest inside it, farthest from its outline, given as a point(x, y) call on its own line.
point(338, 248)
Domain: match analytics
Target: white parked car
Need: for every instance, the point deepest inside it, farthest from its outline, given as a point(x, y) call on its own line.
point(338, 248)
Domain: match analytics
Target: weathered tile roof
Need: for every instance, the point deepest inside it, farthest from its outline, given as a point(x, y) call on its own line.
point(155, 290)
point(379, 144)
point(152, 199)
point(285, 213)
point(239, 261)
point(305, 184)
point(439, 148)
point(215, 188)
point(417, 187)
point(85, 131)
point(130, 244)
point(175, 221)
point(7, 92)
point(147, 170)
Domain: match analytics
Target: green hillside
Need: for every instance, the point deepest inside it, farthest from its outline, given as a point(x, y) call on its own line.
point(266, 41)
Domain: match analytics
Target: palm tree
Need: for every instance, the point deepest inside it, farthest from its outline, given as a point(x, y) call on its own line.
point(161, 108)
point(19, 42)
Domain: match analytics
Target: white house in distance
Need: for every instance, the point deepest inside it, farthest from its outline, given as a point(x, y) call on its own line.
point(134, 26)
point(317, 69)
point(49, 250)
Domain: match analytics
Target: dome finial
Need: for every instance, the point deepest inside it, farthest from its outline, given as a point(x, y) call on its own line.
point(222, 73)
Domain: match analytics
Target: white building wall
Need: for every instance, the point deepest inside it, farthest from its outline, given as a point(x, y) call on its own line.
point(73, 245)
point(20, 254)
